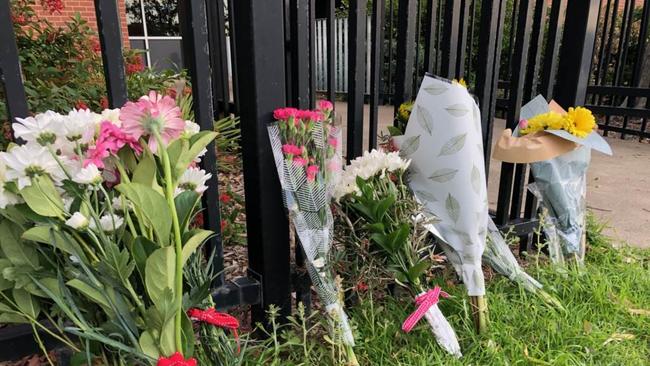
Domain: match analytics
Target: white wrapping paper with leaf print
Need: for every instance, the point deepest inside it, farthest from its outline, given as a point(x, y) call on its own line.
point(447, 174)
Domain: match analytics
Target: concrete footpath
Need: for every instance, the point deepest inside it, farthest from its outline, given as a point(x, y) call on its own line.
point(618, 187)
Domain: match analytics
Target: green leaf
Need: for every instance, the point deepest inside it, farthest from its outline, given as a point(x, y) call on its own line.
point(4, 283)
point(382, 241)
point(159, 273)
point(417, 270)
point(26, 303)
point(148, 345)
point(89, 291)
point(397, 239)
point(145, 172)
point(197, 143)
point(443, 175)
point(20, 254)
point(376, 227)
point(196, 238)
point(383, 206)
point(50, 235)
point(42, 197)
point(457, 110)
point(395, 131)
point(185, 203)
point(424, 119)
point(476, 180)
point(141, 249)
point(453, 208)
point(410, 145)
point(188, 337)
point(151, 208)
point(167, 338)
point(453, 145)
point(436, 88)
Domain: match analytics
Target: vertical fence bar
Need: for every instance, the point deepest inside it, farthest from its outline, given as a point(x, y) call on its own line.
point(233, 57)
point(449, 47)
point(418, 31)
point(331, 51)
point(260, 57)
point(218, 58)
point(553, 39)
point(110, 38)
point(513, 34)
point(601, 49)
point(608, 55)
point(196, 56)
point(356, 76)
point(576, 52)
point(389, 85)
point(377, 57)
point(312, 54)
point(464, 21)
point(406, 14)
point(487, 72)
point(430, 36)
point(511, 191)
point(638, 66)
point(299, 51)
point(622, 42)
point(535, 49)
point(10, 72)
point(620, 70)
point(472, 21)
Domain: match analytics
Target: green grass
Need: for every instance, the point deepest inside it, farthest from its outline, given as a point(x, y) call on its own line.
point(598, 327)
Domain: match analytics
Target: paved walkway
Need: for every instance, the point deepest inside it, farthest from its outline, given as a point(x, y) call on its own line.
point(618, 190)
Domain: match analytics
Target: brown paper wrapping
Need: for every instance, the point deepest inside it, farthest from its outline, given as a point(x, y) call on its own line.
point(533, 147)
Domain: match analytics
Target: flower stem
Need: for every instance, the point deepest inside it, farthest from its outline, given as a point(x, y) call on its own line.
point(178, 244)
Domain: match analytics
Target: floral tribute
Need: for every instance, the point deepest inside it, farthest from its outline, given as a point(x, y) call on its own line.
point(373, 194)
point(578, 121)
point(307, 150)
point(95, 232)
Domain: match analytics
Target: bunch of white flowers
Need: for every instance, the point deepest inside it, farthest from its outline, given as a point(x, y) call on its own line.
point(370, 164)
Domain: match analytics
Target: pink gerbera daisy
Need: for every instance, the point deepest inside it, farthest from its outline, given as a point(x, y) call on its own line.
point(151, 114)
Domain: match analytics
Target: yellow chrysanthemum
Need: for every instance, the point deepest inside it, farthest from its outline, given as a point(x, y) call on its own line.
point(404, 111)
point(460, 82)
point(545, 121)
point(580, 121)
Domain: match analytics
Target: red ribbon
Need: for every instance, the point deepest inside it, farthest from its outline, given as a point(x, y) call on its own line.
point(424, 302)
point(221, 320)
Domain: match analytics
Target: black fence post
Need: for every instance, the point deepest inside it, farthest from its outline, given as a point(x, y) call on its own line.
point(110, 38)
point(376, 61)
point(299, 48)
point(406, 17)
point(553, 38)
point(535, 49)
point(218, 60)
point(431, 25)
point(260, 57)
point(196, 57)
point(576, 52)
point(449, 46)
point(487, 73)
point(463, 25)
point(331, 51)
point(10, 72)
point(356, 76)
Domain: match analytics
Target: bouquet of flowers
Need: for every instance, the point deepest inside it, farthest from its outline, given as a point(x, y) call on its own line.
point(373, 193)
point(307, 151)
point(95, 232)
point(557, 144)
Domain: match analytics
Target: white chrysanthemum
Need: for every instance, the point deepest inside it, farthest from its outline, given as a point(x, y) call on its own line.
point(6, 198)
point(88, 175)
point(191, 128)
point(77, 221)
point(198, 158)
point(28, 161)
point(43, 128)
point(375, 162)
point(193, 179)
point(80, 125)
point(111, 115)
point(108, 223)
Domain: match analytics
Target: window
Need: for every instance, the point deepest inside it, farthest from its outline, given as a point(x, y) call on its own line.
point(154, 27)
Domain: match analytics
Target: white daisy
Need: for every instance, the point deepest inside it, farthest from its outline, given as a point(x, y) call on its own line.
point(88, 175)
point(28, 161)
point(193, 180)
point(6, 197)
point(80, 125)
point(77, 221)
point(111, 115)
point(108, 223)
point(43, 128)
point(191, 128)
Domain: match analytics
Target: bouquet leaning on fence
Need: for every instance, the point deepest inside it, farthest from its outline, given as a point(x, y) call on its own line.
point(372, 192)
point(307, 152)
point(557, 144)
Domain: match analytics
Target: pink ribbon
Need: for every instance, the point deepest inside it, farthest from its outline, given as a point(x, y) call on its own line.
point(424, 302)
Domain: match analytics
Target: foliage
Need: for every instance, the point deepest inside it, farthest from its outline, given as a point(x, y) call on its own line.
point(607, 321)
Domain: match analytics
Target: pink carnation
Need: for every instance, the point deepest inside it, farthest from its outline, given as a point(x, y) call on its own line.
point(312, 170)
point(299, 161)
point(325, 105)
point(111, 139)
point(307, 115)
point(152, 113)
point(333, 141)
point(290, 149)
point(283, 114)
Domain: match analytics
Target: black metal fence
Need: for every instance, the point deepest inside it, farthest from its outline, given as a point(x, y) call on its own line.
point(272, 44)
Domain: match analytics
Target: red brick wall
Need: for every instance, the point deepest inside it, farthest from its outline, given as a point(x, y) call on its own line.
point(86, 8)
